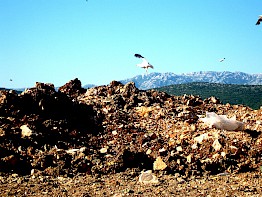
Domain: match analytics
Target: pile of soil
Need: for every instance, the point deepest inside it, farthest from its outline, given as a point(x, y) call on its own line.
point(104, 137)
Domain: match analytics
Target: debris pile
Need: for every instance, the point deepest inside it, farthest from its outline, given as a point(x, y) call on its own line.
point(107, 129)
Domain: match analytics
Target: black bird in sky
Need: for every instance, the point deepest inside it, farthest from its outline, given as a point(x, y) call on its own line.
point(259, 20)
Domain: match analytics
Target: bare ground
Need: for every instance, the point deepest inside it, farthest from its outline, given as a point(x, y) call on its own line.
point(126, 184)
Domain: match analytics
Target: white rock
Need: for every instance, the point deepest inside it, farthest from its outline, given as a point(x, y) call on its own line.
point(26, 132)
point(201, 137)
point(149, 151)
point(72, 151)
point(162, 150)
point(179, 149)
point(216, 145)
point(103, 150)
point(189, 158)
point(194, 146)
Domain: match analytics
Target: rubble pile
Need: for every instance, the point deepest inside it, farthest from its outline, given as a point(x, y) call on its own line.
point(107, 129)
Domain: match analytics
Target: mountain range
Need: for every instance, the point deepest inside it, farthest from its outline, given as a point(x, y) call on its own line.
point(155, 80)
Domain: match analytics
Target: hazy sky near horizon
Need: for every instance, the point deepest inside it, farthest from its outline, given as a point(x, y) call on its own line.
point(54, 41)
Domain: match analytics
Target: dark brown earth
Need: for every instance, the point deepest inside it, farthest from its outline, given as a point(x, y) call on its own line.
point(100, 141)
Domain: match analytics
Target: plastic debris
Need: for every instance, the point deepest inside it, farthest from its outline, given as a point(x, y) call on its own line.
point(222, 122)
point(147, 177)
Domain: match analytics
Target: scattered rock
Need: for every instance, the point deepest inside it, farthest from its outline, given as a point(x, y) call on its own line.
point(108, 129)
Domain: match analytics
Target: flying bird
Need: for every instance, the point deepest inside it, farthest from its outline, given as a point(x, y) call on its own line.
point(145, 64)
point(259, 20)
point(222, 60)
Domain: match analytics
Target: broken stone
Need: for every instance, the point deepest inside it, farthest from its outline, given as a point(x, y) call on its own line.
point(201, 137)
point(103, 150)
point(216, 145)
point(149, 151)
point(179, 149)
point(188, 158)
point(26, 132)
point(159, 164)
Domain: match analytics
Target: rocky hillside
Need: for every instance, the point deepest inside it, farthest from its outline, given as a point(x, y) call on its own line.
point(154, 80)
point(113, 128)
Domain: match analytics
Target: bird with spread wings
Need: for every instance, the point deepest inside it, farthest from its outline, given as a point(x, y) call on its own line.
point(222, 60)
point(145, 64)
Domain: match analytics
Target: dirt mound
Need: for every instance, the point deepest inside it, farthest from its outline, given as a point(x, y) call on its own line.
point(108, 129)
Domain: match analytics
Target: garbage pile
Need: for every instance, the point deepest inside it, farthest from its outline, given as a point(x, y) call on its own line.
point(107, 129)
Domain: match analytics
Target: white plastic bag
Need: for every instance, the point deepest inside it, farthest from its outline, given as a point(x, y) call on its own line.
point(222, 122)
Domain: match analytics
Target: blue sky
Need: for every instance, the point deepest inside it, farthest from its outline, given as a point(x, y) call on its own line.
point(54, 41)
